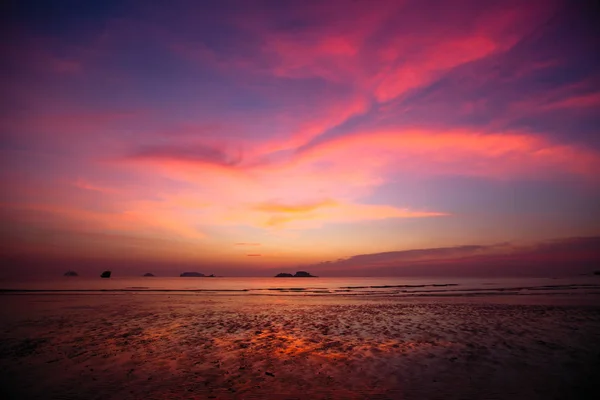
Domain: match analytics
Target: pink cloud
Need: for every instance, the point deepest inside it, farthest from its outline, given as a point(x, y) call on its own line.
point(426, 152)
point(387, 65)
point(311, 125)
point(435, 59)
point(83, 184)
point(583, 101)
point(574, 97)
point(237, 194)
point(139, 219)
point(377, 53)
point(300, 133)
point(347, 169)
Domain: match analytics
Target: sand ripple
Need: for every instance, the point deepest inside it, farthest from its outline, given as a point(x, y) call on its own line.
point(197, 347)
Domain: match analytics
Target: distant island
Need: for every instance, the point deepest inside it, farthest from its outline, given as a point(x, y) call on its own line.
point(148, 274)
point(597, 272)
point(191, 275)
point(298, 274)
point(71, 273)
point(105, 274)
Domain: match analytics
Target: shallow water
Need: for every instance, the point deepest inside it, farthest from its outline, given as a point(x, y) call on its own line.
point(326, 286)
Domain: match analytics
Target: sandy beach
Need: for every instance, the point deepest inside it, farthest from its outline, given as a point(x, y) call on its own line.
point(162, 346)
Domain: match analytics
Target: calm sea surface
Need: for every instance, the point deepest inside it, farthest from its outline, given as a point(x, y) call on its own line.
point(392, 286)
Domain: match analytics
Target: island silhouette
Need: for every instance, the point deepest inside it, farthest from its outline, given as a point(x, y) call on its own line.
point(191, 274)
point(298, 274)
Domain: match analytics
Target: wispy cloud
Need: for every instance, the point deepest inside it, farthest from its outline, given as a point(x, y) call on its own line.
point(83, 184)
point(194, 154)
point(294, 208)
point(332, 120)
point(425, 151)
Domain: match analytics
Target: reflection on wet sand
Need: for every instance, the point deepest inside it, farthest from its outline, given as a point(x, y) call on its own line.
point(158, 346)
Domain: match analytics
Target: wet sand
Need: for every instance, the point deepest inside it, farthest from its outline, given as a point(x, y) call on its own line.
point(171, 346)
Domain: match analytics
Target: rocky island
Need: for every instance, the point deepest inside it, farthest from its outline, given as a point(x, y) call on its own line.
point(105, 274)
point(148, 275)
point(191, 275)
point(71, 273)
point(298, 274)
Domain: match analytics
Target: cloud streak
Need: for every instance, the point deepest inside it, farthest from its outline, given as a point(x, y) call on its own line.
point(569, 256)
point(347, 123)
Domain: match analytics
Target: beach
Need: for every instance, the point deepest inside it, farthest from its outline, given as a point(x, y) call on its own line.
point(308, 199)
point(138, 345)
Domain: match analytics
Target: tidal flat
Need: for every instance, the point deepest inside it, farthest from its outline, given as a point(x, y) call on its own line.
point(200, 346)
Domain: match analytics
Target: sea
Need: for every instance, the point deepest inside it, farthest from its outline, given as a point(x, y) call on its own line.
point(315, 286)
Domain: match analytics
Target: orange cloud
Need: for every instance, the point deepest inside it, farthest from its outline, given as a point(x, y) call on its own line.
point(316, 215)
point(140, 218)
point(48, 230)
point(344, 171)
point(294, 208)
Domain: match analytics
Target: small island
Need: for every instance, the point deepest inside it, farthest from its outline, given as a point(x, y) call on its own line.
point(148, 274)
point(105, 274)
point(71, 273)
point(298, 274)
point(191, 275)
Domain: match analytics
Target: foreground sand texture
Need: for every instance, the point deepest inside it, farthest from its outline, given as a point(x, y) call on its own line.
point(144, 346)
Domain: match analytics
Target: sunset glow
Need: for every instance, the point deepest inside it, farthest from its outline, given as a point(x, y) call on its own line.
point(244, 139)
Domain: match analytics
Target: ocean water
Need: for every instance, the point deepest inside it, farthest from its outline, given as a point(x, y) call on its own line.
point(321, 286)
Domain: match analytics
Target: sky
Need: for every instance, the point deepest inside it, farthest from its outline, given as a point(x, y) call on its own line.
point(346, 136)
